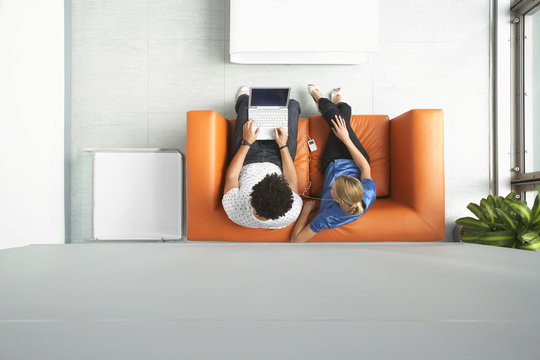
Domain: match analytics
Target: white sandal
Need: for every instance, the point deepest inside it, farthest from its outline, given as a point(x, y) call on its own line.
point(336, 93)
point(310, 89)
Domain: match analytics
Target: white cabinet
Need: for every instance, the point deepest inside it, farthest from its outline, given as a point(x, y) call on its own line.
point(137, 194)
point(303, 31)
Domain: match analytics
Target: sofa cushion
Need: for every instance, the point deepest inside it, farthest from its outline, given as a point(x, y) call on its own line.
point(373, 131)
point(406, 225)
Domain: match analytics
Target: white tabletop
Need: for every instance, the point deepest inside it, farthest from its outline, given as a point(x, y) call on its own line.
point(269, 301)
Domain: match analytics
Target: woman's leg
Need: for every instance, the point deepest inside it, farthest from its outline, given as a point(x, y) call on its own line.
point(346, 111)
point(332, 151)
point(335, 149)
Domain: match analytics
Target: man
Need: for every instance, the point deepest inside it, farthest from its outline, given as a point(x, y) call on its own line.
point(261, 184)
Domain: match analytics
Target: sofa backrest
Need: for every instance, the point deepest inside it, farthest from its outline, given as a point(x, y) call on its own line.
point(373, 131)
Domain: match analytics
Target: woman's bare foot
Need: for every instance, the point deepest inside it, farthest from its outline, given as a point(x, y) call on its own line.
point(336, 97)
point(315, 93)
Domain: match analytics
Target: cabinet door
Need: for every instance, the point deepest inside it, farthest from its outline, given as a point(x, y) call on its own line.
point(137, 195)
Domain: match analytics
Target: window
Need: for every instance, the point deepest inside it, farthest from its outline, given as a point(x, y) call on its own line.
point(530, 196)
point(526, 80)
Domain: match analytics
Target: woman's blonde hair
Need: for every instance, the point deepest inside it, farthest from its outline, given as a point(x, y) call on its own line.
point(350, 190)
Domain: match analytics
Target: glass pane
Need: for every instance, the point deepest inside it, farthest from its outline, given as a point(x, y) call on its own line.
point(529, 197)
point(532, 90)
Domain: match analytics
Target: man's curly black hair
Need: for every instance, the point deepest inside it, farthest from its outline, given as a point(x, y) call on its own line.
point(272, 197)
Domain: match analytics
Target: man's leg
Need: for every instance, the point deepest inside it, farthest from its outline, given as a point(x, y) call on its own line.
point(241, 107)
point(294, 114)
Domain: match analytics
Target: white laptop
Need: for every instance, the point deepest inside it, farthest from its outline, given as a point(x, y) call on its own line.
point(269, 108)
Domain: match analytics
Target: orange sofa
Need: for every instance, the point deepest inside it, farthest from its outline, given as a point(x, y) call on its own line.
point(407, 165)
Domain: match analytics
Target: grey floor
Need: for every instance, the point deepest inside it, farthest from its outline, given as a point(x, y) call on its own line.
point(138, 66)
point(269, 301)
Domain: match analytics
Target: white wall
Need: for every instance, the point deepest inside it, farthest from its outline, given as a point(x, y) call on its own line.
point(504, 102)
point(139, 65)
point(31, 122)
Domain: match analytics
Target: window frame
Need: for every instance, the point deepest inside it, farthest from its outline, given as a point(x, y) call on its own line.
point(521, 181)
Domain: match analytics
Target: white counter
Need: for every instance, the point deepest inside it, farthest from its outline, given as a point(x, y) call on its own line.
point(269, 301)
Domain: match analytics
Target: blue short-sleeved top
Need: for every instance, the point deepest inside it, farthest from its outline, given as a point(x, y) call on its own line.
point(330, 215)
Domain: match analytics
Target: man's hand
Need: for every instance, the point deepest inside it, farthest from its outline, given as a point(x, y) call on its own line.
point(310, 205)
point(281, 136)
point(301, 230)
point(248, 134)
point(340, 129)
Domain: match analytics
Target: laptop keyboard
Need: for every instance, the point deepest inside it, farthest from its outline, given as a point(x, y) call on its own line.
point(269, 118)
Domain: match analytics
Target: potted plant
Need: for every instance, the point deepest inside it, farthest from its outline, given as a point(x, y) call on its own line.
point(503, 222)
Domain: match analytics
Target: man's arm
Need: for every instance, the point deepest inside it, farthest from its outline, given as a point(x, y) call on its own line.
point(340, 129)
point(233, 171)
point(289, 171)
point(301, 230)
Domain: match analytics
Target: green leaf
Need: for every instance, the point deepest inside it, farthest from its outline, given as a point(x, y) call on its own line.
point(471, 223)
point(491, 201)
point(534, 245)
point(497, 238)
point(477, 210)
point(510, 196)
point(528, 237)
point(535, 213)
point(521, 209)
point(499, 202)
point(499, 226)
point(470, 236)
point(507, 219)
point(488, 210)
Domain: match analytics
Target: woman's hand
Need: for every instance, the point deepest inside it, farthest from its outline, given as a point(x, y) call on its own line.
point(247, 132)
point(281, 136)
point(340, 129)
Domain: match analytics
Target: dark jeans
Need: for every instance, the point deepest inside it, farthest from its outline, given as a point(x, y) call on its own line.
point(335, 149)
point(264, 150)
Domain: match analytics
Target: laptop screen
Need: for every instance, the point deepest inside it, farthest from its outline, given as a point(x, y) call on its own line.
point(269, 97)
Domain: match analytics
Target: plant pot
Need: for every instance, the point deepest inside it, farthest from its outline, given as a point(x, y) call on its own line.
point(458, 232)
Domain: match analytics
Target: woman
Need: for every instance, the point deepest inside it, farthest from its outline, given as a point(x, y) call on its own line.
point(348, 189)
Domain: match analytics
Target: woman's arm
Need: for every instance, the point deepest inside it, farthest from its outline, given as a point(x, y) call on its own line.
point(289, 171)
point(233, 171)
point(301, 230)
point(340, 130)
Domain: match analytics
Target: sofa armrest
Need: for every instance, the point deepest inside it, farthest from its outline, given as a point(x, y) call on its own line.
point(417, 165)
point(207, 140)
